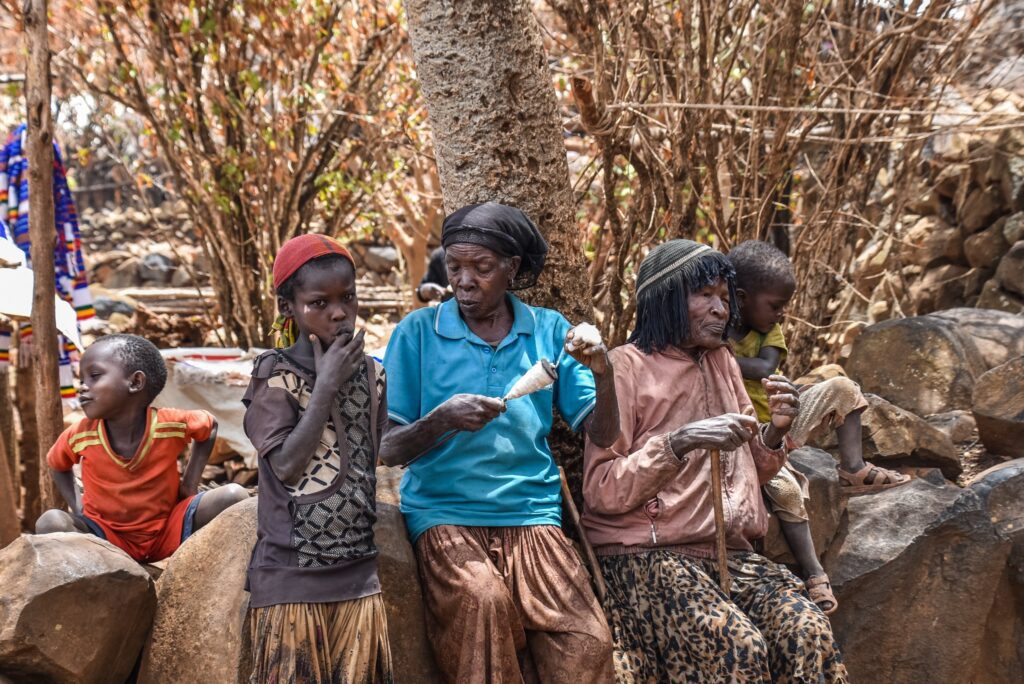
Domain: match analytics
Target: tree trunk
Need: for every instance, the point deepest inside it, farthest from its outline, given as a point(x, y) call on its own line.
point(39, 152)
point(497, 136)
point(28, 448)
point(9, 528)
point(497, 133)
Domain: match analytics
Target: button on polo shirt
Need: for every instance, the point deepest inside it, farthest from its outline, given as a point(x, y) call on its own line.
point(502, 475)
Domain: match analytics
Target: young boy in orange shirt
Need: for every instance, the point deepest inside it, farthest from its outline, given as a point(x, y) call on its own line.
point(133, 496)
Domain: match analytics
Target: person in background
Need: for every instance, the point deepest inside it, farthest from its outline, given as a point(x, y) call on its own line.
point(434, 286)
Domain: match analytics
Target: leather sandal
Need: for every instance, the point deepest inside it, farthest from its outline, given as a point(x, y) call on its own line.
point(870, 479)
point(820, 591)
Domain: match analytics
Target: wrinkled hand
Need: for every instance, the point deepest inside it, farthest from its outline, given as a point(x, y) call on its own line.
point(591, 352)
point(471, 412)
point(431, 291)
point(783, 401)
point(335, 365)
point(725, 433)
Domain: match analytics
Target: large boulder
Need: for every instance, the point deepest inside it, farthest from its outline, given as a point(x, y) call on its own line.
point(984, 249)
point(939, 288)
point(201, 629)
point(932, 241)
point(825, 506)
point(923, 364)
point(896, 437)
point(917, 574)
point(999, 408)
point(959, 426)
point(1010, 273)
point(999, 336)
point(204, 608)
point(993, 296)
point(411, 652)
point(981, 207)
point(73, 608)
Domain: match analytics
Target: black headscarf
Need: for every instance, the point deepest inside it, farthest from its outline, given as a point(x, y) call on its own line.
point(502, 229)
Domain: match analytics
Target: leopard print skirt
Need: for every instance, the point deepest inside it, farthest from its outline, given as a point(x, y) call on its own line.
point(671, 622)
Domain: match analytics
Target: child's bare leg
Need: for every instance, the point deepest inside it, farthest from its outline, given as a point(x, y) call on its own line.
point(217, 500)
point(56, 520)
point(798, 536)
point(851, 450)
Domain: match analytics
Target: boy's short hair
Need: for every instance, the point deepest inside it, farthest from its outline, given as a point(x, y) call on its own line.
point(139, 354)
point(760, 265)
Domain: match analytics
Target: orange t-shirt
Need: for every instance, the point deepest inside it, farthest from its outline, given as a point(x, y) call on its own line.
point(133, 497)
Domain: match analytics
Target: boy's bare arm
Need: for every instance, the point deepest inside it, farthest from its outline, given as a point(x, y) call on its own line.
point(197, 460)
point(65, 481)
point(761, 366)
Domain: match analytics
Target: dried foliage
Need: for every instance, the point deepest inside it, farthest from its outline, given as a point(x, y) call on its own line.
point(726, 121)
point(271, 117)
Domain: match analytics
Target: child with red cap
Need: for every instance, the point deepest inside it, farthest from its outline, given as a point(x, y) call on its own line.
point(315, 411)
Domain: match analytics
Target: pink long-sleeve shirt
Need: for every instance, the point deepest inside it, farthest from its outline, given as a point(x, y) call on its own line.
point(639, 494)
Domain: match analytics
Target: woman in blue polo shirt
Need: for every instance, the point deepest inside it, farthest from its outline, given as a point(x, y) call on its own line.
point(484, 506)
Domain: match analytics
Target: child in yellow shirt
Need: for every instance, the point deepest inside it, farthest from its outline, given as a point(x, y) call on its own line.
point(764, 285)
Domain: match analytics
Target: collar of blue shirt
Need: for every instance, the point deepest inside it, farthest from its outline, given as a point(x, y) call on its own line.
point(449, 323)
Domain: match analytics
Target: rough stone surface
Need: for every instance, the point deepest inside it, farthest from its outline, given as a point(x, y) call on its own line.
point(919, 574)
point(931, 241)
point(411, 652)
point(125, 275)
point(1010, 273)
point(998, 336)
point(923, 364)
point(201, 629)
point(999, 408)
point(984, 249)
point(825, 506)
point(996, 298)
point(73, 608)
point(980, 209)
point(1013, 228)
point(381, 258)
point(156, 269)
point(204, 609)
point(959, 426)
point(893, 436)
point(941, 287)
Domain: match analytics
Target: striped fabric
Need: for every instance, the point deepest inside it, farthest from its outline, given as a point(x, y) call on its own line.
point(71, 279)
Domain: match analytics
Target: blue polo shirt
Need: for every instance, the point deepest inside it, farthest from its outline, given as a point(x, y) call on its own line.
point(502, 475)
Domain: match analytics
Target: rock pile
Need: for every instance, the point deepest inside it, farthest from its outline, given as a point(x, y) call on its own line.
point(958, 236)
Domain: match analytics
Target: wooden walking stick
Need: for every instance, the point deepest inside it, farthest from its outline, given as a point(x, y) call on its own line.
point(588, 550)
point(716, 496)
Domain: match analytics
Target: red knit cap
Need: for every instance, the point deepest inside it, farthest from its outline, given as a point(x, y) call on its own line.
point(299, 250)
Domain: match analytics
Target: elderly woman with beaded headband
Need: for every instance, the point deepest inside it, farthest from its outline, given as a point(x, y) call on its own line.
point(649, 504)
point(482, 493)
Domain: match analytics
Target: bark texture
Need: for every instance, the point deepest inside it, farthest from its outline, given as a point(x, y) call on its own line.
point(497, 133)
point(39, 141)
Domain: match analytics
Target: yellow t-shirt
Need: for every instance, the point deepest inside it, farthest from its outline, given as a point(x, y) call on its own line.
point(749, 348)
